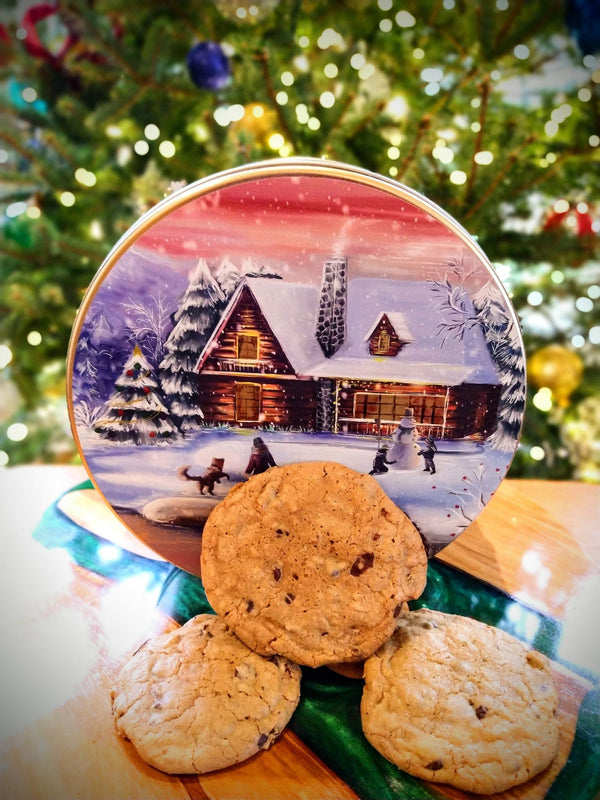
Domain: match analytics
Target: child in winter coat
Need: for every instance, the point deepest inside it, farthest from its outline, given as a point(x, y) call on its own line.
point(380, 461)
point(428, 452)
point(260, 458)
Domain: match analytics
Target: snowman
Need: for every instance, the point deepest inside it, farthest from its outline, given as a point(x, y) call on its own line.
point(405, 449)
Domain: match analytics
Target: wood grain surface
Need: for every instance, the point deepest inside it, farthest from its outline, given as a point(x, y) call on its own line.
point(65, 632)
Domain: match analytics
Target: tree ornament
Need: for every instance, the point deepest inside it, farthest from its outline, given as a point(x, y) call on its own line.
point(34, 44)
point(258, 121)
point(208, 66)
point(583, 20)
point(6, 48)
point(559, 369)
point(556, 216)
point(585, 222)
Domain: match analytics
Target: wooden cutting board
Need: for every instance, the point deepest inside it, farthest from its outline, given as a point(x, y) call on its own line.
point(73, 751)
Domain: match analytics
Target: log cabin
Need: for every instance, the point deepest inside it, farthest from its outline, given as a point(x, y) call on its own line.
point(349, 357)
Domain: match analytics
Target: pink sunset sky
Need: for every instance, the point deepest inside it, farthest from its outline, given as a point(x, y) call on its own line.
point(292, 222)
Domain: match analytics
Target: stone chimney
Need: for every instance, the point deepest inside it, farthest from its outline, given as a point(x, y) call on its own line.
point(331, 317)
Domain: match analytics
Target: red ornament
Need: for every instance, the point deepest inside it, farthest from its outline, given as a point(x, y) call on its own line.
point(129, 373)
point(120, 412)
point(146, 390)
point(32, 42)
point(585, 223)
point(555, 219)
point(5, 46)
point(152, 434)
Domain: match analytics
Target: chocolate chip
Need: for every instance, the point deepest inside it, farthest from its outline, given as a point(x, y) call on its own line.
point(362, 563)
point(277, 573)
point(249, 606)
point(281, 532)
point(262, 739)
point(289, 597)
point(435, 765)
point(480, 712)
point(398, 610)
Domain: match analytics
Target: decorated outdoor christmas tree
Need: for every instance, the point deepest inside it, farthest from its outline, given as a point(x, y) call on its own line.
point(134, 413)
point(490, 109)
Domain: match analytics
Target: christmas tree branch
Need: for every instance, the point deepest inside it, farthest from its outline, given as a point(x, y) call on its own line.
point(263, 58)
point(364, 121)
point(512, 159)
point(515, 9)
point(484, 92)
point(423, 127)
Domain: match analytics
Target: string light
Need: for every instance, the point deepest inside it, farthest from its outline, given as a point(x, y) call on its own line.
point(85, 177)
point(329, 38)
point(404, 19)
point(166, 149)
point(276, 141)
point(327, 99)
point(151, 131)
point(542, 399)
point(458, 177)
point(17, 432)
point(34, 338)
point(5, 356)
point(483, 157)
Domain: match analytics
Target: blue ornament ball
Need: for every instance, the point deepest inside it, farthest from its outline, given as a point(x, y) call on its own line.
point(208, 66)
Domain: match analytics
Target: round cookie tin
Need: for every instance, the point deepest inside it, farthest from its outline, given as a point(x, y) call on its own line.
point(294, 310)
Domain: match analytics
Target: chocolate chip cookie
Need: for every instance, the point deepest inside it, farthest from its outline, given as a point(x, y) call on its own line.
point(452, 700)
point(197, 699)
point(311, 561)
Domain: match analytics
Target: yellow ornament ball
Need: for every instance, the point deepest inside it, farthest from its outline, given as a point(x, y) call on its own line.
point(559, 369)
point(258, 122)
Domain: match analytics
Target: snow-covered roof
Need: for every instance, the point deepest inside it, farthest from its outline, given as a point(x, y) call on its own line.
point(398, 322)
point(429, 357)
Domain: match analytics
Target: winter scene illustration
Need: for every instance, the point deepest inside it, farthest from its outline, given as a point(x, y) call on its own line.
point(293, 319)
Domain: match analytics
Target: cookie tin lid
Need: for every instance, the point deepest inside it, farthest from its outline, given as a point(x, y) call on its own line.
point(294, 310)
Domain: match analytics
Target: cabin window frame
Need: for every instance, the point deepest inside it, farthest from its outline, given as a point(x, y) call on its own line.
point(242, 341)
point(238, 411)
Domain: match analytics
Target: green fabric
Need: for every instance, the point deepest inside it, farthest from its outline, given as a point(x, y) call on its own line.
point(328, 717)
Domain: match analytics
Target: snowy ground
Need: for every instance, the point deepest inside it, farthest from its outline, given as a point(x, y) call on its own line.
point(440, 505)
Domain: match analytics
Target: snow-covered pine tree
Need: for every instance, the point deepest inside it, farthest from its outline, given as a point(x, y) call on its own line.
point(94, 371)
point(135, 413)
point(194, 320)
point(503, 340)
point(227, 276)
point(85, 370)
point(488, 309)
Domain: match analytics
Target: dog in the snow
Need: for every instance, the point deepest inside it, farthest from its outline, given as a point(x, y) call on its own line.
point(213, 474)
